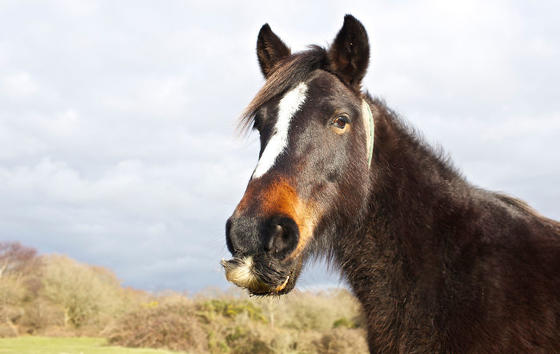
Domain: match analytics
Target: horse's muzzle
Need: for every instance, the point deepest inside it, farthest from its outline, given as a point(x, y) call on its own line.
point(261, 252)
point(277, 236)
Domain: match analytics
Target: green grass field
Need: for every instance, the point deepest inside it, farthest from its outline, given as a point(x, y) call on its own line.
point(52, 345)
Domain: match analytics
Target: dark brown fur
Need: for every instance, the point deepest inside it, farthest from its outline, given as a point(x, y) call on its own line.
point(443, 266)
point(438, 264)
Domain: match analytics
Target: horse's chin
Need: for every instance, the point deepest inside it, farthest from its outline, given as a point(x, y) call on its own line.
point(262, 278)
point(286, 287)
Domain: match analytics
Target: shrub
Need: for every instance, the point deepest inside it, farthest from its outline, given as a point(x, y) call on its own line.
point(171, 326)
point(345, 323)
point(316, 311)
point(339, 341)
point(229, 308)
point(241, 340)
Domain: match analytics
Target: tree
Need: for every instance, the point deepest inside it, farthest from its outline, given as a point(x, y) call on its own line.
point(18, 266)
point(16, 259)
point(83, 292)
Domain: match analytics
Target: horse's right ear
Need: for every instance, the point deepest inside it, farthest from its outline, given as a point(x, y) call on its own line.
point(270, 50)
point(349, 54)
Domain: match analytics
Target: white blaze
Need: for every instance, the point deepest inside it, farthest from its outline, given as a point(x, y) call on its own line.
point(289, 105)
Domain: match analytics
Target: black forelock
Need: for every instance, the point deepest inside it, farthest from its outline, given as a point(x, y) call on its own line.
point(287, 74)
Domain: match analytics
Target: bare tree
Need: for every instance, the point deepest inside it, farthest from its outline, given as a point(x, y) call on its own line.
point(84, 292)
point(16, 258)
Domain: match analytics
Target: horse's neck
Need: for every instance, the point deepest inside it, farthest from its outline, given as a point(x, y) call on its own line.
point(415, 192)
point(417, 199)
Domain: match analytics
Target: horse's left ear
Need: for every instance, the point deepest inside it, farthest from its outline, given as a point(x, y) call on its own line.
point(270, 50)
point(349, 54)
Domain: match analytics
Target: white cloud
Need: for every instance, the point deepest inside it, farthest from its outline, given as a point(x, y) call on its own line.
point(18, 85)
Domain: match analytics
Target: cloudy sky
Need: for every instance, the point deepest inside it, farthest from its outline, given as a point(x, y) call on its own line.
point(117, 119)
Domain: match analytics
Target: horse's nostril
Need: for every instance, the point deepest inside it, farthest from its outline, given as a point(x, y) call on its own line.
point(283, 236)
point(229, 242)
point(277, 236)
point(277, 233)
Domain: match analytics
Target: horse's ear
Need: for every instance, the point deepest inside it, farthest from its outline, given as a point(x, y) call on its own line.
point(270, 50)
point(349, 54)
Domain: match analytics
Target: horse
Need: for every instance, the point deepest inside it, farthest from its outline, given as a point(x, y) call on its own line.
point(438, 264)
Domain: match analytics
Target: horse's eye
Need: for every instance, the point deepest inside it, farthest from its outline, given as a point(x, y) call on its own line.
point(340, 122)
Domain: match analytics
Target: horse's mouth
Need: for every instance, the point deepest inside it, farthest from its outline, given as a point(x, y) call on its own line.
point(245, 273)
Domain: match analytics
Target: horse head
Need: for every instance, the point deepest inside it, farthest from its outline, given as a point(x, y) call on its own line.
point(312, 179)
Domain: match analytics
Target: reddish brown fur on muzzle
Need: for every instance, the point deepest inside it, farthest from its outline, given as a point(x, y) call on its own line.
point(279, 197)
